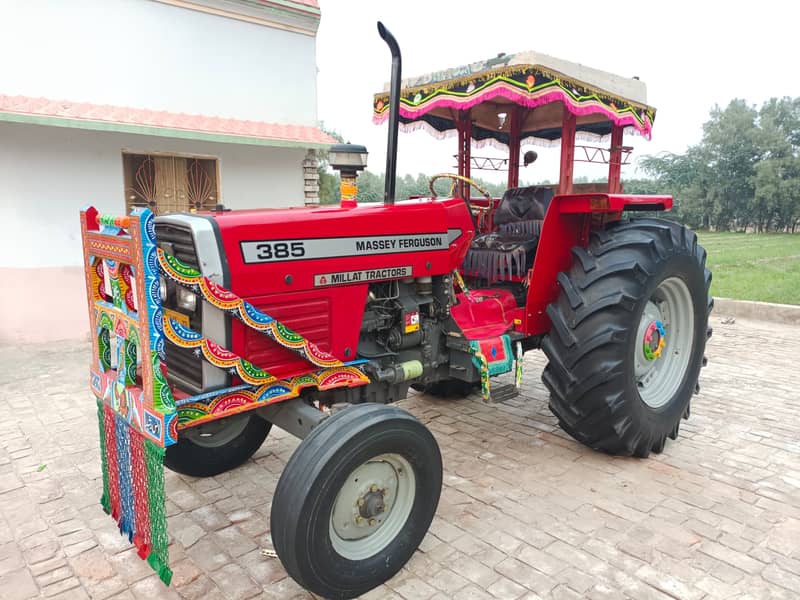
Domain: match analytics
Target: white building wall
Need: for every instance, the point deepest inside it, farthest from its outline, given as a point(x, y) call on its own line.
point(48, 174)
point(147, 54)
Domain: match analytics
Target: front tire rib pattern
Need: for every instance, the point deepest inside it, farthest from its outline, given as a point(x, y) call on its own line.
point(309, 486)
point(590, 374)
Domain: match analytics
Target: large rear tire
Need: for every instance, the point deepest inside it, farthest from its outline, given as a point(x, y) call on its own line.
point(216, 447)
point(355, 500)
point(629, 333)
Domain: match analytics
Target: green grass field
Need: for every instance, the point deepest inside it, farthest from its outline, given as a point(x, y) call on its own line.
point(748, 266)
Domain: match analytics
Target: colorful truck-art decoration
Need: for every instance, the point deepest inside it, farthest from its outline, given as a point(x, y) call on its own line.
point(139, 414)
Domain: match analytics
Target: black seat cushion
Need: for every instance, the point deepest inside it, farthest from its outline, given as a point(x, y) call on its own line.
point(508, 252)
point(523, 204)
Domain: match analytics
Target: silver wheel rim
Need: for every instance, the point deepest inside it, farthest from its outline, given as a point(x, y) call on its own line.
point(217, 433)
point(664, 342)
point(372, 506)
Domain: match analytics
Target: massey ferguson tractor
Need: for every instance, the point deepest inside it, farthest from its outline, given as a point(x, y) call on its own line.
point(212, 328)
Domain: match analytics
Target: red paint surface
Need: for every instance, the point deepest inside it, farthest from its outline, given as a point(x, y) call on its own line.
point(328, 316)
point(331, 316)
point(615, 161)
point(486, 313)
point(566, 225)
point(311, 314)
point(569, 123)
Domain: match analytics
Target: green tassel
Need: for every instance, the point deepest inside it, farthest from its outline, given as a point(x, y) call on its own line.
point(159, 553)
point(104, 499)
point(165, 574)
point(163, 571)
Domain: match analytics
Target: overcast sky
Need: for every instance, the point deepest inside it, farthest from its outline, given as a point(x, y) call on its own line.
point(691, 55)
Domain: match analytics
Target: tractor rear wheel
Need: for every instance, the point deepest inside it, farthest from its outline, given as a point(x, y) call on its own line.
point(628, 337)
point(355, 500)
point(218, 446)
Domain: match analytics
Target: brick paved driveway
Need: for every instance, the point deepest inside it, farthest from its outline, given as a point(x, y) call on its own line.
point(525, 512)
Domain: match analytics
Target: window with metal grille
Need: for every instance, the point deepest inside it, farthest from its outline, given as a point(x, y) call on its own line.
point(170, 183)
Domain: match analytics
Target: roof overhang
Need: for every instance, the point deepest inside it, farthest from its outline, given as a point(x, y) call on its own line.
point(299, 16)
point(94, 117)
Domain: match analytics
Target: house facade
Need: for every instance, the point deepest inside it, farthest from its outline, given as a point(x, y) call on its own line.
point(177, 105)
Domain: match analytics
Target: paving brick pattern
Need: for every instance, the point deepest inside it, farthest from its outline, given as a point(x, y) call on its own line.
point(525, 512)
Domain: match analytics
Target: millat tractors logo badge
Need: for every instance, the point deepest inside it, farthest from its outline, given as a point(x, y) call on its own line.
point(362, 276)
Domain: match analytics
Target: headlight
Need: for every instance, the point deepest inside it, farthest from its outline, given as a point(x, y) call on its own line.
point(162, 289)
point(186, 299)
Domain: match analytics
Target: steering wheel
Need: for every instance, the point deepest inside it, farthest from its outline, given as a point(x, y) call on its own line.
point(477, 213)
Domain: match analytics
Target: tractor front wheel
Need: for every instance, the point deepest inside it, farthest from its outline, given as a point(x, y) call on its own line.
point(218, 446)
point(356, 499)
point(629, 333)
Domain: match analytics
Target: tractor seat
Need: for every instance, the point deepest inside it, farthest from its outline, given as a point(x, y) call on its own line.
point(507, 253)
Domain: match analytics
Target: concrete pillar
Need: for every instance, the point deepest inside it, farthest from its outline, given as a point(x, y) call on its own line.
point(311, 178)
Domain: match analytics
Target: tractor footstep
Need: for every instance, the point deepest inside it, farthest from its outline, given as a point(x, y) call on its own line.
point(502, 393)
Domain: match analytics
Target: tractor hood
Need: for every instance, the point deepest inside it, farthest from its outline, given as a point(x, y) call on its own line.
point(294, 249)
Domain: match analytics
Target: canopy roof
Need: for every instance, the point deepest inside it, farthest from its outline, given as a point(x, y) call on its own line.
point(491, 88)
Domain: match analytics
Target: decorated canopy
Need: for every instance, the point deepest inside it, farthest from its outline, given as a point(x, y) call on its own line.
point(490, 90)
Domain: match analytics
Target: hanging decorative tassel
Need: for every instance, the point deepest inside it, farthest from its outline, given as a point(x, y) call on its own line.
point(131, 462)
point(486, 389)
point(105, 499)
point(158, 558)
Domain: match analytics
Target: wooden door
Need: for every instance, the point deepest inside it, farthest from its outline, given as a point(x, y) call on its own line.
point(167, 184)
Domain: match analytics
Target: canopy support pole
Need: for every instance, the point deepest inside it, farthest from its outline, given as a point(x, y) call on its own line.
point(464, 126)
point(615, 161)
point(567, 152)
point(513, 147)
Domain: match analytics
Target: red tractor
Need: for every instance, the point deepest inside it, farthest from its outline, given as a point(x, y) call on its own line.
point(436, 294)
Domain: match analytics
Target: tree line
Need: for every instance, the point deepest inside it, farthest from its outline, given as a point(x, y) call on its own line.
point(743, 175)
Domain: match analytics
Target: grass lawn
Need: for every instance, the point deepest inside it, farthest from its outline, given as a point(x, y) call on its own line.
point(749, 266)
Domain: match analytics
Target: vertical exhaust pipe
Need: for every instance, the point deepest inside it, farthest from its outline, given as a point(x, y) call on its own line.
point(394, 112)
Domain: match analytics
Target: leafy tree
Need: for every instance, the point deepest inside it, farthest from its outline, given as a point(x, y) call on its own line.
point(370, 187)
point(777, 176)
point(743, 173)
point(731, 148)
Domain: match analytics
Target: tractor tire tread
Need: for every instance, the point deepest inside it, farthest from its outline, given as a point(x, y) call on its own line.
point(590, 321)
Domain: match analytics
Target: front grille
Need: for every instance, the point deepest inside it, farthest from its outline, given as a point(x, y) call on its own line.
point(179, 242)
point(184, 368)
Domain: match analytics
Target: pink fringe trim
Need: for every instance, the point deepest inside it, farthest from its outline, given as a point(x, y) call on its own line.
point(580, 136)
point(501, 89)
